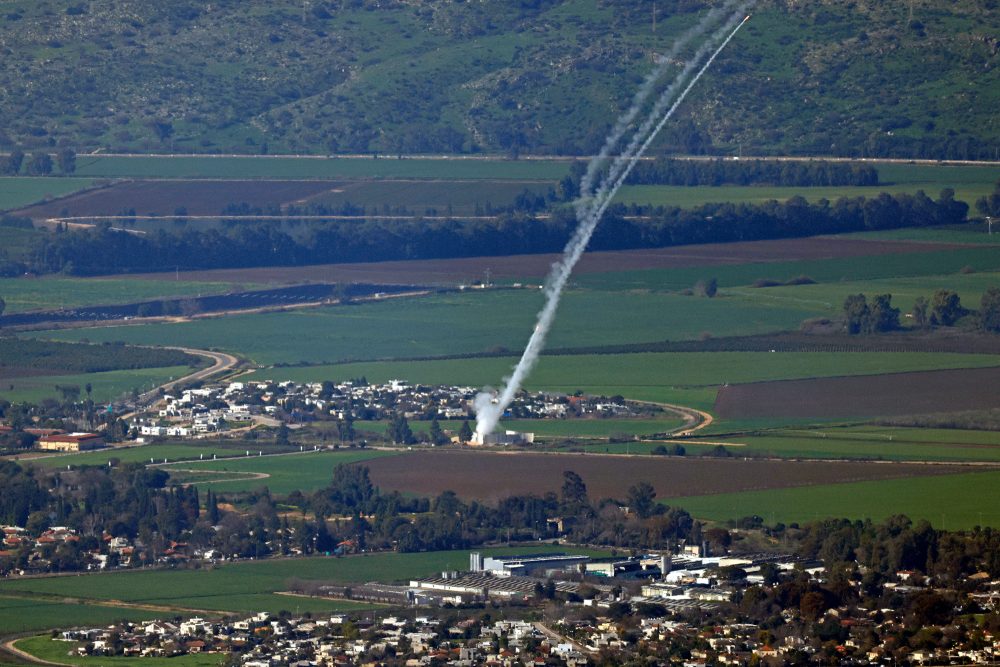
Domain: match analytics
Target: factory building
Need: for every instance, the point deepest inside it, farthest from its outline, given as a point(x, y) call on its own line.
point(71, 442)
point(505, 566)
point(505, 438)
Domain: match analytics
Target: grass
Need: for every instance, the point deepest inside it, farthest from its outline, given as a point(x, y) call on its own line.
point(107, 386)
point(17, 242)
point(23, 614)
point(930, 267)
point(251, 586)
point(172, 451)
point(286, 168)
point(19, 191)
point(474, 322)
point(460, 197)
point(952, 502)
point(871, 442)
point(970, 233)
point(54, 292)
point(688, 378)
point(53, 650)
point(285, 473)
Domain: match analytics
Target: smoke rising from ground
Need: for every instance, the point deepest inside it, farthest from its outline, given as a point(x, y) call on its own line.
point(590, 208)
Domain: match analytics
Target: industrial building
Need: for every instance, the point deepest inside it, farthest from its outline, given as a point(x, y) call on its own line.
point(505, 438)
point(505, 566)
point(71, 442)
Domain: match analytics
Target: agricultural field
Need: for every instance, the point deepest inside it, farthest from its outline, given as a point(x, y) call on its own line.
point(864, 442)
point(44, 647)
point(281, 474)
point(972, 232)
point(492, 476)
point(297, 168)
point(885, 395)
point(107, 386)
point(18, 241)
point(251, 586)
point(476, 322)
point(49, 293)
point(165, 197)
point(161, 452)
point(27, 613)
point(16, 192)
point(463, 270)
point(951, 502)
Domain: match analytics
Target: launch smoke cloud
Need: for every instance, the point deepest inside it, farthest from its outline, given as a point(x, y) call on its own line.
point(589, 207)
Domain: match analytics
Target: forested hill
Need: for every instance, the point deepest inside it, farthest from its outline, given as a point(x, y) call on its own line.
point(822, 77)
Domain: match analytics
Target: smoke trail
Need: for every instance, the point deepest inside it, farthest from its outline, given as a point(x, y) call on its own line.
point(638, 100)
point(488, 412)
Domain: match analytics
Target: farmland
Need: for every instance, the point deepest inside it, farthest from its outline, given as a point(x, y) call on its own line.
point(953, 502)
point(296, 168)
point(857, 397)
point(250, 586)
point(22, 614)
point(281, 474)
point(21, 191)
point(107, 386)
point(492, 476)
point(25, 294)
point(866, 442)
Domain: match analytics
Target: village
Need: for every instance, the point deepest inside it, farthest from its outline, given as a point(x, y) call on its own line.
point(597, 611)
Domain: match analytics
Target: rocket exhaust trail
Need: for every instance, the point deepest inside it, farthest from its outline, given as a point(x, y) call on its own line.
point(488, 411)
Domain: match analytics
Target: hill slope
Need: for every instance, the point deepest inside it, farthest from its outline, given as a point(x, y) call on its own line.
point(844, 77)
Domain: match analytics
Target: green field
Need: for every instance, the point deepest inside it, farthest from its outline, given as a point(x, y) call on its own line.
point(53, 292)
point(17, 242)
point(291, 168)
point(687, 378)
point(248, 587)
point(973, 232)
point(869, 442)
point(107, 386)
point(16, 191)
point(171, 451)
point(455, 324)
point(558, 428)
point(285, 473)
point(927, 267)
point(23, 614)
point(52, 650)
point(952, 502)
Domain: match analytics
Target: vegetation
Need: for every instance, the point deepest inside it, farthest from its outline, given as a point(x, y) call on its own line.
point(45, 647)
point(338, 78)
point(666, 171)
point(19, 354)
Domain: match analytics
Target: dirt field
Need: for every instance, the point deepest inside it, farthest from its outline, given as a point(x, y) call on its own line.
point(448, 271)
point(165, 197)
point(490, 476)
point(864, 396)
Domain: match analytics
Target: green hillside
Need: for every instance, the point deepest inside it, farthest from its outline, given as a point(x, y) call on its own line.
point(541, 76)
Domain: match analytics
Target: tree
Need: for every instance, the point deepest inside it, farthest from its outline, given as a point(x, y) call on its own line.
point(465, 433)
point(989, 310)
point(919, 312)
point(400, 431)
point(67, 160)
point(707, 288)
point(3, 305)
point(163, 129)
point(641, 499)
point(574, 493)
point(40, 164)
point(437, 435)
point(946, 308)
point(13, 165)
point(882, 316)
point(281, 437)
point(856, 313)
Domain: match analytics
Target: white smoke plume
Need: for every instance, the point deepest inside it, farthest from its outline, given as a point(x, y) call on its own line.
point(490, 408)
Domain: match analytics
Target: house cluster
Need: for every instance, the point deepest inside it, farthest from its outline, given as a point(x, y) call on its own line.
point(196, 412)
point(38, 550)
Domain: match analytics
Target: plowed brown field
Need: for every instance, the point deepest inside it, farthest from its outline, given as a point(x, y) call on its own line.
point(889, 395)
point(490, 476)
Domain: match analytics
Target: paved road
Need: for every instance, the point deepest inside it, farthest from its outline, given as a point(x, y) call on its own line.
point(221, 362)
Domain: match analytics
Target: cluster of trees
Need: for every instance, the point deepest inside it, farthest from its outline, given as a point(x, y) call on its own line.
point(667, 171)
point(39, 163)
point(102, 250)
point(989, 205)
point(85, 357)
point(944, 308)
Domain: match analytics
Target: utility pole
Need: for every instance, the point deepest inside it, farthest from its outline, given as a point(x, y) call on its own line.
point(654, 15)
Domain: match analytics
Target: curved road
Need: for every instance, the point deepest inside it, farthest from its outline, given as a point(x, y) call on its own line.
point(221, 362)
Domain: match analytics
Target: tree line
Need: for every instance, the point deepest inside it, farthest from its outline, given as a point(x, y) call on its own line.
point(39, 163)
point(101, 250)
point(667, 171)
point(877, 315)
